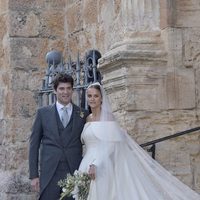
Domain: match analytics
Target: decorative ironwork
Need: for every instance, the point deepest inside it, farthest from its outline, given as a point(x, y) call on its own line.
point(83, 71)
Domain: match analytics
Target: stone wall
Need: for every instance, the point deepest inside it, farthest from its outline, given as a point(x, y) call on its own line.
point(31, 29)
point(150, 66)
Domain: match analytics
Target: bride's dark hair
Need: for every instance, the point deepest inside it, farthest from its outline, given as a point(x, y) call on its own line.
point(97, 87)
point(106, 111)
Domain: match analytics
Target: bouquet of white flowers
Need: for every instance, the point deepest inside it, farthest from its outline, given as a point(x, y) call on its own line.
point(75, 185)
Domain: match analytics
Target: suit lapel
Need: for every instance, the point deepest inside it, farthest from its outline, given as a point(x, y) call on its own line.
point(52, 120)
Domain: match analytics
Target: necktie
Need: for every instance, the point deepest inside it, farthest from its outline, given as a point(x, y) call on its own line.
point(64, 116)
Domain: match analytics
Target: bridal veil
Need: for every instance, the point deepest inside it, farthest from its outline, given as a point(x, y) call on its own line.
point(124, 170)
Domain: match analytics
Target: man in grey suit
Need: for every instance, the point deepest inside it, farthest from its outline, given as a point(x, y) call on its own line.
point(55, 146)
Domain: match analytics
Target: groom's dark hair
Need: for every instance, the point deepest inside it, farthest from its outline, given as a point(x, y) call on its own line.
point(62, 78)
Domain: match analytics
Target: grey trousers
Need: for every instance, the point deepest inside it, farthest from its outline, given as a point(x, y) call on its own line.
point(53, 191)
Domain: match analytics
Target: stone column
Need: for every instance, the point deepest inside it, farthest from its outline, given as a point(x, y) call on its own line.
point(147, 83)
point(139, 19)
point(137, 63)
point(140, 15)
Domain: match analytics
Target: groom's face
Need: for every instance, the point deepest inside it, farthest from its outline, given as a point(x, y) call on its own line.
point(64, 93)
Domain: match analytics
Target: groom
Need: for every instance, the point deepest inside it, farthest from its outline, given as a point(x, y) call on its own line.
point(55, 146)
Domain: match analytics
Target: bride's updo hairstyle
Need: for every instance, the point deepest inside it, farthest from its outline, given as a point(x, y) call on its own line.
point(97, 87)
point(106, 111)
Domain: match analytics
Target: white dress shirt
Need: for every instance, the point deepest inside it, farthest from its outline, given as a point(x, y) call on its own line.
point(60, 107)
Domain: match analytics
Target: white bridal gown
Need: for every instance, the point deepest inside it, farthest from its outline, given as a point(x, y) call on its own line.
point(124, 170)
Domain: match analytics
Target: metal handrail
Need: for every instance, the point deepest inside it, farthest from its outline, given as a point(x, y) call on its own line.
point(153, 142)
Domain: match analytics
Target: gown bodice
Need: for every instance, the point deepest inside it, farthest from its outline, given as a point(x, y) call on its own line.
point(88, 137)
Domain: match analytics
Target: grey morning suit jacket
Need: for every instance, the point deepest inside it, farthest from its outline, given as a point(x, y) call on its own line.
point(45, 139)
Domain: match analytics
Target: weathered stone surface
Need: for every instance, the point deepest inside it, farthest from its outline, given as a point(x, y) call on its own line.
point(90, 12)
point(3, 6)
point(15, 186)
point(28, 54)
point(3, 130)
point(150, 68)
point(196, 171)
point(52, 24)
point(74, 20)
point(35, 5)
point(24, 24)
point(187, 13)
point(23, 103)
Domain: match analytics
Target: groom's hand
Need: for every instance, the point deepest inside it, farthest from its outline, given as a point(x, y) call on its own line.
point(35, 183)
point(92, 171)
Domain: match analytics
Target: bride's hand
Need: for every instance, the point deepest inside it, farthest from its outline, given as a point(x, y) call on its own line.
point(92, 171)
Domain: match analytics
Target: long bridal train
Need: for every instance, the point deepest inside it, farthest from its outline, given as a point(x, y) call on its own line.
point(124, 171)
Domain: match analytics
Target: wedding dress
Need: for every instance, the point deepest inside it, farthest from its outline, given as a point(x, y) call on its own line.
point(124, 171)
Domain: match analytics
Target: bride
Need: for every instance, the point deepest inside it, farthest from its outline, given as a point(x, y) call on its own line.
point(119, 168)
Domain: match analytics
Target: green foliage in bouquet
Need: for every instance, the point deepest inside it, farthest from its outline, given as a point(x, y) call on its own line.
point(76, 185)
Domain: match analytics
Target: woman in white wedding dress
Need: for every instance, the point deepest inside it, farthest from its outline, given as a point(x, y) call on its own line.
point(120, 169)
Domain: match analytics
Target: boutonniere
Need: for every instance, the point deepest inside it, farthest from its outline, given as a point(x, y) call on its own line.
point(81, 114)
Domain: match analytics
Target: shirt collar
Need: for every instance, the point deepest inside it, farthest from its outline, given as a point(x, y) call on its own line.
point(60, 106)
